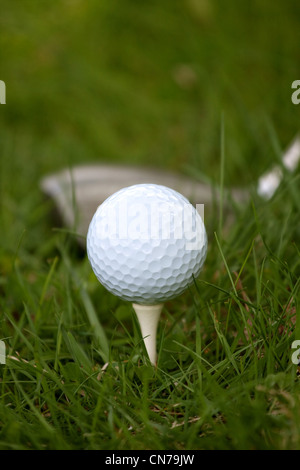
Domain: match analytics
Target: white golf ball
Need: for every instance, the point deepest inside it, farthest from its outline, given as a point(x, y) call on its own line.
point(146, 243)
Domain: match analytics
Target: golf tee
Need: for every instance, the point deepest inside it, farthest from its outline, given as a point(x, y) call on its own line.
point(148, 317)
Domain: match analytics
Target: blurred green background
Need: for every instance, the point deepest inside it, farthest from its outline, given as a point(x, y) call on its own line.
point(147, 83)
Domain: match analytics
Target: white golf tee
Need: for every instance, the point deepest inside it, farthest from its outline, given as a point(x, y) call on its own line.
point(148, 317)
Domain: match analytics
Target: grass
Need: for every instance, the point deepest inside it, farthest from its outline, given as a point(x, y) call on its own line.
point(186, 86)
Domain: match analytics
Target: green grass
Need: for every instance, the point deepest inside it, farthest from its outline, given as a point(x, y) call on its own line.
point(200, 87)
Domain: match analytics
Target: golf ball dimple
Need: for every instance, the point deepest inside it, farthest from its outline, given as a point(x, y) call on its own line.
point(146, 243)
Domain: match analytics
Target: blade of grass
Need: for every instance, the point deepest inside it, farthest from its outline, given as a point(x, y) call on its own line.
point(76, 351)
point(32, 406)
point(226, 265)
point(98, 331)
point(44, 290)
point(100, 336)
point(224, 342)
point(222, 168)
